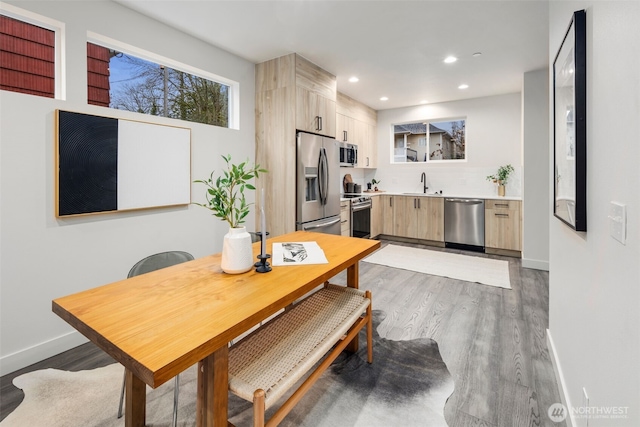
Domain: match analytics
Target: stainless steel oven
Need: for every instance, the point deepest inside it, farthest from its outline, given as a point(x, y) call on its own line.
point(361, 217)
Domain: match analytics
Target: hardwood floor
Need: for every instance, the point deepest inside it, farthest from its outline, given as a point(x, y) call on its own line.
point(493, 341)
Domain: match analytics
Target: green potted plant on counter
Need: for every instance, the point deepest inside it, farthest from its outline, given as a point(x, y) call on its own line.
point(501, 178)
point(226, 199)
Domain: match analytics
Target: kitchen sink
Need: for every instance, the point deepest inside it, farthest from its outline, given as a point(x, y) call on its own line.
point(423, 194)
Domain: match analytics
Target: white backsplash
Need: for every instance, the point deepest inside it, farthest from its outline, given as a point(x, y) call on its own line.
point(454, 181)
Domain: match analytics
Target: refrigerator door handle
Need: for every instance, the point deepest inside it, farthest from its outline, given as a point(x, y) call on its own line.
point(320, 177)
point(323, 176)
point(324, 224)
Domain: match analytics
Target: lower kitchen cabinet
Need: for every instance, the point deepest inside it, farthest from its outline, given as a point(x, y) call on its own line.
point(419, 218)
point(387, 219)
point(503, 224)
point(345, 218)
point(376, 216)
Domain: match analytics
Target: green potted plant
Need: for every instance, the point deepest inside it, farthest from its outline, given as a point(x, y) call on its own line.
point(501, 178)
point(375, 183)
point(226, 199)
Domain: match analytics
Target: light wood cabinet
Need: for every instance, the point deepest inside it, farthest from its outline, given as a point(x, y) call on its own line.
point(369, 151)
point(345, 218)
point(356, 123)
point(503, 224)
point(315, 98)
point(387, 209)
point(419, 218)
point(291, 93)
point(315, 113)
point(376, 216)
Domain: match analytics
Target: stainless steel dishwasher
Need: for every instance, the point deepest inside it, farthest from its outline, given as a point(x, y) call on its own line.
point(464, 224)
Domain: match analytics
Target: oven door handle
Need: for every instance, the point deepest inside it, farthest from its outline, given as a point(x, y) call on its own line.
point(361, 207)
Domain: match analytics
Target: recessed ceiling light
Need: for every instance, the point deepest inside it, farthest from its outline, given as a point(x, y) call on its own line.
point(384, 98)
point(424, 101)
point(464, 86)
point(353, 79)
point(450, 59)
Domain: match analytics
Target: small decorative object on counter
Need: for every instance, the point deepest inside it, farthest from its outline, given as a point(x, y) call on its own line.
point(501, 178)
point(225, 198)
point(375, 183)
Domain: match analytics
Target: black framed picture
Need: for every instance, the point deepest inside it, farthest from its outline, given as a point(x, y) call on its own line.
point(570, 125)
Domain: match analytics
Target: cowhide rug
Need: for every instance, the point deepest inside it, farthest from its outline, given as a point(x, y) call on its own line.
point(407, 385)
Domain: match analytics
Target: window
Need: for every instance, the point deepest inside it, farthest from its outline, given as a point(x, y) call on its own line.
point(444, 141)
point(121, 80)
point(28, 56)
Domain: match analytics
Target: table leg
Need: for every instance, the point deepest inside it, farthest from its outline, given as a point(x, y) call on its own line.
point(135, 401)
point(353, 282)
point(353, 275)
point(213, 389)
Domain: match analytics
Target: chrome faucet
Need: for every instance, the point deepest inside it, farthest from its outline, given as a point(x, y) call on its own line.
point(423, 179)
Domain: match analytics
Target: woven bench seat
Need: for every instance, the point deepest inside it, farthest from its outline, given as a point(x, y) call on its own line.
point(268, 362)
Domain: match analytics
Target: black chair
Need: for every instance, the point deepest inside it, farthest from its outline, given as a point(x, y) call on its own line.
point(146, 265)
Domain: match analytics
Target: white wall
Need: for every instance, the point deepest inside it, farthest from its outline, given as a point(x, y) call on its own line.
point(42, 257)
point(535, 182)
point(595, 280)
point(493, 133)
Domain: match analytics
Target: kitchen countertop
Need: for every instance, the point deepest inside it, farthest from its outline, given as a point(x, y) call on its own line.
point(446, 195)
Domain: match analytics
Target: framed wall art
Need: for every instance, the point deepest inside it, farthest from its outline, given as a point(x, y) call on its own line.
point(105, 164)
point(570, 125)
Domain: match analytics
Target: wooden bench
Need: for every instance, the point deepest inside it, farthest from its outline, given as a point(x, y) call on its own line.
point(264, 365)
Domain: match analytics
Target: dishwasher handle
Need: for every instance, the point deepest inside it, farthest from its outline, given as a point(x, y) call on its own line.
point(465, 201)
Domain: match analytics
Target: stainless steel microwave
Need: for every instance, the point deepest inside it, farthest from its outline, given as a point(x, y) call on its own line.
point(348, 155)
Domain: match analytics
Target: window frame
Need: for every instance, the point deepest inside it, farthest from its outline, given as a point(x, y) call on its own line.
point(427, 122)
point(234, 86)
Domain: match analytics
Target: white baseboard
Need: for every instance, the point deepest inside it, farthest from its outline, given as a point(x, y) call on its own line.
point(535, 264)
point(562, 389)
point(23, 358)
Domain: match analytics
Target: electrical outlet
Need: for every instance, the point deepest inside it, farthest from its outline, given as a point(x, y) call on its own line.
point(585, 405)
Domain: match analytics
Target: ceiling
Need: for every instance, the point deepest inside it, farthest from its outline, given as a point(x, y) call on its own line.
point(396, 48)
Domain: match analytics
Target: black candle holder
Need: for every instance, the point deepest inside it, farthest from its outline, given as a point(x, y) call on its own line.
point(263, 266)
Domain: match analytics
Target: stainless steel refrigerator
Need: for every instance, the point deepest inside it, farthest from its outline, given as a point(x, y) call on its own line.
point(318, 184)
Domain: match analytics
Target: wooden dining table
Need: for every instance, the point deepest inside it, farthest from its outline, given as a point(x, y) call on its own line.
point(160, 323)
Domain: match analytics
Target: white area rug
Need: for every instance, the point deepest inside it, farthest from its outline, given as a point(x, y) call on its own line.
point(462, 267)
point(55, 398)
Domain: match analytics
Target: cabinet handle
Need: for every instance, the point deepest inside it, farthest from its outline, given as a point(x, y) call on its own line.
point(343, 222)
point(391, 201)
point(367, 161)
point(502, 214)
point(344, 135)
point(418, 203)
point(504, 205)
point(319, 123)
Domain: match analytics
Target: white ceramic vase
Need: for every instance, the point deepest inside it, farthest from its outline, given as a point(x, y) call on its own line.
point(237, 254)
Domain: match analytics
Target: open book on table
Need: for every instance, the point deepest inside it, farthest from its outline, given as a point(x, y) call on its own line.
point(297, 253)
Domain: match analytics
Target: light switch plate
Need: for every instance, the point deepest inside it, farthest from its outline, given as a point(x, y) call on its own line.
point(618, 221)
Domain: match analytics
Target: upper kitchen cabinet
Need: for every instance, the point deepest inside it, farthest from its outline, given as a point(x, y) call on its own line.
point(357, 124)
point(315, 98)
point(291, 94)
